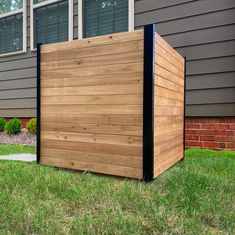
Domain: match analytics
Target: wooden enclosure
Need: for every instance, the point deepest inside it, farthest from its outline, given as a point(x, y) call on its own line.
point(111, 104)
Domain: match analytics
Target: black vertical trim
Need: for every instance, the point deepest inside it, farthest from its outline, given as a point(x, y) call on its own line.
point(185, 61)
point(148, 104)
point(38, 101)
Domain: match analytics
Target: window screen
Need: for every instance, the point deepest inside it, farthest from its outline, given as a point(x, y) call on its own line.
point(10, 5)
point(11, 34)
point(104, 17)
point(51, 23)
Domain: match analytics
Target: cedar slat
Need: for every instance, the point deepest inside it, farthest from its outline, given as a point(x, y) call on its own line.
point(120, 58)
point(94, 41)
point(107, 119)
point(93, 128)
point(95, 167)
point(92, 138)
point(110, 159)
point(116, 79)
point(86, 52)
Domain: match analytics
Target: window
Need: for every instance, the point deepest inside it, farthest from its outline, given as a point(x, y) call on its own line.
point(51, 22)
point(99, 17)
point(12, 27)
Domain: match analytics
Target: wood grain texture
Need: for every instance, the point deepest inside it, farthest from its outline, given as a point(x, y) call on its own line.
point(168, 106)
point(94, 41)
point(92, 104)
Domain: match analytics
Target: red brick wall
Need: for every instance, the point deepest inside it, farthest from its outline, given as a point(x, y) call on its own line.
point(23, 121)
point(211, 133)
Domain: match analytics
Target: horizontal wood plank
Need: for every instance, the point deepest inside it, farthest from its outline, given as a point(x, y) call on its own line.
point(167, 128)
point(115, 79)
point(167, 102)
point(94, 41)
point(92, 128)
point(162, 72)
point(161, 61)
point(93, 100)
point(94, 90)
point(94, 167)
point(120, 58)
point(161, 51)
point(127, 161)
point(108, 49)
point(162, 82)
point(108, 119)
point(168, 163)
point(164, 92)
point(100, 148)
point(92, 138)
point(93, 71)
point(93, 109)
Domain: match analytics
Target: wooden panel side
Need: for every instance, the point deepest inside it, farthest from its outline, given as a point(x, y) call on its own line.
point(92, 104)
point(168, 106)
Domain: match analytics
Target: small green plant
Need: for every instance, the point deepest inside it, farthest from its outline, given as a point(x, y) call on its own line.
point(32, 126)
point(13, 126)
point(2, 124)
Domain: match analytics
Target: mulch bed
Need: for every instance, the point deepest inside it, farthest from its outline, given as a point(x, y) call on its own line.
point(24, 138)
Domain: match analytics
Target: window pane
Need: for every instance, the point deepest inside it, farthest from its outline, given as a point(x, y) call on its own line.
point(105, 16)
point(11, 34)
point(10, 5)
point(51, 23)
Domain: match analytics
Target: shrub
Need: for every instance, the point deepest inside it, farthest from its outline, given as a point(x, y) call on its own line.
point(32, 126)
point(2, 124)
point(13, 126)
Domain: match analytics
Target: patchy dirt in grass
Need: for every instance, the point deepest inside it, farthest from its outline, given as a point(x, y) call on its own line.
point(24, 138)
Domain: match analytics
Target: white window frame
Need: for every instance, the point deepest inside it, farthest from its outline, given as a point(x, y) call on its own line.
point(24, 29)
point(45, 3)
point(131, 6)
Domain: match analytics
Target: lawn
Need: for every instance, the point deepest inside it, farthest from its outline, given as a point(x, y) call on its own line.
point(6, 149)
point(195, 196)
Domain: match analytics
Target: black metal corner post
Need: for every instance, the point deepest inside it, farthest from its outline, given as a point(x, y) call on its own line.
point(185, 62)
point(38, 101)
point(148, 103)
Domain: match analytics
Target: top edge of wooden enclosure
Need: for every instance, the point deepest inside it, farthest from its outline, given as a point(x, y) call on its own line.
point(93, 41)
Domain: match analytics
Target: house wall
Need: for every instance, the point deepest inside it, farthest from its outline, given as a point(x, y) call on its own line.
point(204, 32)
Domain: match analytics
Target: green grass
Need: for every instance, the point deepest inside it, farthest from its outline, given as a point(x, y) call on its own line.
point(6, 149)
point(196, 196)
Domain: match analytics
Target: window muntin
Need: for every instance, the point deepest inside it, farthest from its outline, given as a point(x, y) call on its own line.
point(52, 21)
point(104, 16)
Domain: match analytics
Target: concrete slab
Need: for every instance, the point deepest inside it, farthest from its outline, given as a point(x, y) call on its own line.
point(19, 157)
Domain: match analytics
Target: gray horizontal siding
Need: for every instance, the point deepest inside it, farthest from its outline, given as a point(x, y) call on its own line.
point(210, 81)
point(203, 32)
point(211, 110)
point(19, 112)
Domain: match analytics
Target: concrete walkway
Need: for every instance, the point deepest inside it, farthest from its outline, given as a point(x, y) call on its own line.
point(19, 157)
